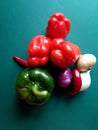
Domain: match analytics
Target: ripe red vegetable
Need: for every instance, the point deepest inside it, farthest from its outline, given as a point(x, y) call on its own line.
point(58, 26)
point(64, 53)
point(38, 50)
point(76, 83)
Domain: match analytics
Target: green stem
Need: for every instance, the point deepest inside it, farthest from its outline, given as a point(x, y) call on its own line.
point(39, 93)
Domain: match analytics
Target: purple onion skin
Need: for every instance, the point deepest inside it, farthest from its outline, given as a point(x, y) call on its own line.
point(64, 77)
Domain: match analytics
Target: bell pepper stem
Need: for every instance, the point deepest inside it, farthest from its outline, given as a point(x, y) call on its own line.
point(21, 61)
point(38, 92)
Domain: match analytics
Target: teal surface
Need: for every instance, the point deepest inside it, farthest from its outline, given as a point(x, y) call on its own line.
point(20, 20)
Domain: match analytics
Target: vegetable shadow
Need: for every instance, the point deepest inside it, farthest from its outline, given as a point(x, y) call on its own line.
point(62, 93)
point(25, 110)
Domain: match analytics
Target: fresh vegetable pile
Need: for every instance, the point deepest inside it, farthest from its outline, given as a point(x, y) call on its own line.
point(53, 62)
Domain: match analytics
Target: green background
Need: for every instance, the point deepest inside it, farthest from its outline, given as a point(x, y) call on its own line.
point(20, 20)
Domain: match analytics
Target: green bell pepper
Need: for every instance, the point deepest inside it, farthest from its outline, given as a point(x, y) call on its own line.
point(35, 85)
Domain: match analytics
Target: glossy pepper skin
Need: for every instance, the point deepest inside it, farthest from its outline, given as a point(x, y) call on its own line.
point(64, 53)
point(38, 52)
point(35, 85)
point(76, 83)
point(58, 26)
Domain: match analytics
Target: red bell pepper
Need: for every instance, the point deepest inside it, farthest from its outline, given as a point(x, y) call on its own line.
point(64, 53)
point(58, 26)
point(38, 50)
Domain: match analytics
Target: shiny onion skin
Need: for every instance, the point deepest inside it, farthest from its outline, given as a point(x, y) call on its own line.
point(64, 77)
point(86, 80)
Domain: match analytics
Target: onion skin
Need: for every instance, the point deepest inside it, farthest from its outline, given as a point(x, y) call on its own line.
point(64, 77)
point(86, 80)
point(85, 62)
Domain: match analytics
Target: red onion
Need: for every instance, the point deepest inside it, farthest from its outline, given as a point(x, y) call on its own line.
point(64, 77)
